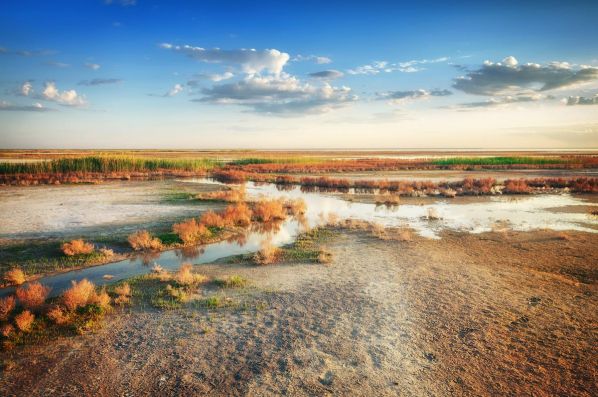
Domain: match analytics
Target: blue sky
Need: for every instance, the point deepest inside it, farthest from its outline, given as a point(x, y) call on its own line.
point(125, 73)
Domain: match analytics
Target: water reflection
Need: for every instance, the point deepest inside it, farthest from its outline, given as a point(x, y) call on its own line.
point(494, 213)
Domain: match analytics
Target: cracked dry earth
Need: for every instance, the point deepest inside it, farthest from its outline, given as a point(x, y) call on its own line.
point(491, 314)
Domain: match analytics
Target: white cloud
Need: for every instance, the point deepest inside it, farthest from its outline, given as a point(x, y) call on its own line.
point(251, 61)
point(26, 89)
point(36, 107)
point(320, 60)
point(177, 89)
point(387, 67)
point(509, 77)
point(92, 66)
point(402, 96)
point(67, 98)
point(279, 94)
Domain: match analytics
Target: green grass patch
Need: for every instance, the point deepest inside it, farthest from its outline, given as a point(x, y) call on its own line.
point(169, 238)
point(277, 160)
point(235, 281)
point(498, 161)
point(107, 164)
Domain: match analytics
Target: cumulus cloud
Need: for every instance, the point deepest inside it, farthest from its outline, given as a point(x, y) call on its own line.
point(93, 82)
point(36, 107)
point(92, 66)
point(320, 60)
point(67, 98)
point(413, 94)
point(327, 74)
point(388, 67)
point(581, 100)
point(251, 61)
point(26, 89)
point(509, 77)
point(279, 94)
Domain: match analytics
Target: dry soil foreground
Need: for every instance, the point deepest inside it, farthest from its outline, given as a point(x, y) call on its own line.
point(491, 314)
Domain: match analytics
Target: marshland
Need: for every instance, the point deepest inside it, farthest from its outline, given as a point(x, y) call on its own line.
point(320, 272)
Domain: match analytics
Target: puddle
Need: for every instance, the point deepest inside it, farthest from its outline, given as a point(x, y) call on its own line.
point(516, 213)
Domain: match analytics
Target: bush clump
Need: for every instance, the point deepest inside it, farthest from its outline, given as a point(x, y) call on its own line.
point(32, 295)
point(143, 240)
point(15, 276)
point(191, 231)
point(77, 247)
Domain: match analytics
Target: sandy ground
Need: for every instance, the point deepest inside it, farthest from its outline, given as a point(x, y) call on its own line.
point(490, 314)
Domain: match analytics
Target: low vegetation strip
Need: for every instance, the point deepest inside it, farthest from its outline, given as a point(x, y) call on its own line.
point(101, 164)
point(467, 186)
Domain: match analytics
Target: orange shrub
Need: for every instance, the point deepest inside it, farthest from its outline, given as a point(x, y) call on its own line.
point(212, 219)
point(237, 215)
point(7, 304)
point(77, 247)
point(32, 295)
point(57, 315)
point(24, 321)
point(190, 231)
point(185, 276)
point(123, 293)
point(232, 195)
point(143, 239)
point(6, 330)
point(267, 254)
point(79, 294)
point(15, 276)
point(102, 299)
point(269, 210)
point(519, 186)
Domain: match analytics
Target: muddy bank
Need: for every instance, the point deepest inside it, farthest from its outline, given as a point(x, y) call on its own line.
point(490, 314)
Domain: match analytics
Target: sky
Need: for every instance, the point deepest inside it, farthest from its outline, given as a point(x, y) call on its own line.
point(298, 75)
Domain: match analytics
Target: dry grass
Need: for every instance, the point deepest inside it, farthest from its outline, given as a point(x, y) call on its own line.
point(78, 295)
point(7, 304)
point(212, 219)
point(324, 256)
point(516, 186)
point(107, 252)
point(15, 276)
point(58, 315)
point(186, 277)
point(237, 215)
point(33, 295)
point(6, 330)
point(191, 231)
point(267, 255)
point(123, 293)
point(231, 196)
point(102, 299)
point(143, 240)
point(77, 247)
point(269, 210)
point(24, 320)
